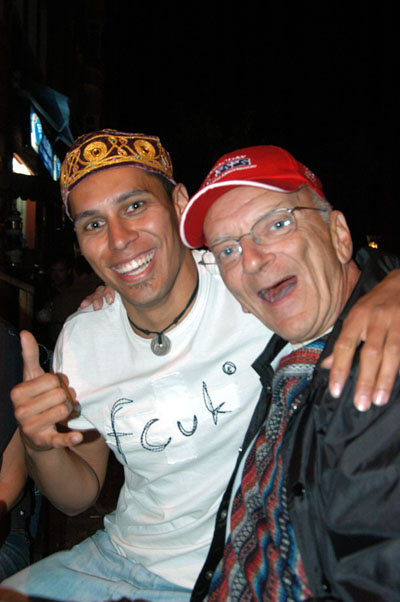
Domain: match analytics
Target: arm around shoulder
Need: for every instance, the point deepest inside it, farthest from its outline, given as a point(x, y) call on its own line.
point(361, 500)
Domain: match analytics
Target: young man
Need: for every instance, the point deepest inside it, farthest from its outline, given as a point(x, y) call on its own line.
point(163, 377)
point(315, 513)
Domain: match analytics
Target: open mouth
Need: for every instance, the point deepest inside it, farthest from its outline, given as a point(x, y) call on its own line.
point(136, 266)
point(279, 290)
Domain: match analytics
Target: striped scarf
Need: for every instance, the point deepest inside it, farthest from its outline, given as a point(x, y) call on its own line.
point(261, 559)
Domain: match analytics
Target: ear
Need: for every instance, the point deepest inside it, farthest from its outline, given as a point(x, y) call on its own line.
point(341, 237)
point(180, 198)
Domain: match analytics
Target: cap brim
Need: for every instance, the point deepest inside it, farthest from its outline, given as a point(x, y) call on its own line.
point(192, 220)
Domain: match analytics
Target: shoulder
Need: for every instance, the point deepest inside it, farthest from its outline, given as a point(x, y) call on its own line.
point(87, 326)
point(88, 315)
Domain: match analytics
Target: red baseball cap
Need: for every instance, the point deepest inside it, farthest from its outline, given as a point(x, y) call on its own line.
point(268, 167)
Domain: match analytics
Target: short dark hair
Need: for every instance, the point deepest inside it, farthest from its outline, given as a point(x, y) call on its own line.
point(167, 185)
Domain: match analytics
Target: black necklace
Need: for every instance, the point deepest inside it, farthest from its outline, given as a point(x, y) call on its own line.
point(161, 344)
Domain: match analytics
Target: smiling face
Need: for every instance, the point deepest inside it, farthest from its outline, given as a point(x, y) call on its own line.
point(127, 230)
point(296, 286)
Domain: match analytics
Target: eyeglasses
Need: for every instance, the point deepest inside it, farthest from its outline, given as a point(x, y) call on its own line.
point(269, 228)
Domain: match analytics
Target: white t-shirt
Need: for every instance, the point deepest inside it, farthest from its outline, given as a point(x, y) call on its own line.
point(175, 422)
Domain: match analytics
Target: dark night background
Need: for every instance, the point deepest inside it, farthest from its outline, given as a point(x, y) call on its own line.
point(319, 79)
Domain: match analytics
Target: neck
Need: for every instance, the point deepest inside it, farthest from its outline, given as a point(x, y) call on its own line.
point(158, 315)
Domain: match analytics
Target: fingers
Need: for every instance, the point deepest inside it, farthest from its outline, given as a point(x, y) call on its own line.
point(30, 355)
point(339, 363)
point(379, 367)
point(40, 404)
point(96, 299)
point(71, 398)
point(379, 360)
point(370, 363)
point(109, 295)
point(42, 401)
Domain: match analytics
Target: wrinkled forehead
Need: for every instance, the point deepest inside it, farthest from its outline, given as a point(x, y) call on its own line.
point(248, 195)
point(240, 207)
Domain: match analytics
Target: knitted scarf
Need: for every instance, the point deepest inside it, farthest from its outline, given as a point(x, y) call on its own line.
point(261, 559)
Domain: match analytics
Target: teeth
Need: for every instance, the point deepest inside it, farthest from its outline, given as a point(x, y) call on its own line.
point(136, 266)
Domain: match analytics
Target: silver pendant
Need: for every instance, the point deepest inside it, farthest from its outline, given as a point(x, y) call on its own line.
point(160, 345)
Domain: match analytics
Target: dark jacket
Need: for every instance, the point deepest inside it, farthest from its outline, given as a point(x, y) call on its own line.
point(342, 468)
point(10, 375)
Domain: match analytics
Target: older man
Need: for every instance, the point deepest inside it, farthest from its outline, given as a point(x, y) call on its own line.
point(316, 508)
point(163, 377)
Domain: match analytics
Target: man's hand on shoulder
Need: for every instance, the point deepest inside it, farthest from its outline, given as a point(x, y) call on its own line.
point(101, 294)
point(374, 320)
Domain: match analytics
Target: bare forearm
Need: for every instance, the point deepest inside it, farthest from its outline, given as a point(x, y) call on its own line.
point(9, 496)
point(12, 474)
point(10, 493)
point(65, 478)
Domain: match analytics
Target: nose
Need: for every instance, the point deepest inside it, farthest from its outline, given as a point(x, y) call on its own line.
point(254, 256)
point(121, 233)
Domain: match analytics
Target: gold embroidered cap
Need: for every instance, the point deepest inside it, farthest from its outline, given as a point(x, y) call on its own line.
point(109, 148)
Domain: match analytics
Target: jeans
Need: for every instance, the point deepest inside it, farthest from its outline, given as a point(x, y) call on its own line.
point(93, 571)
point(14, 554)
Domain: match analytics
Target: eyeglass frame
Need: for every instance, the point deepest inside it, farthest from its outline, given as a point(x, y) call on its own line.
point(254, 238)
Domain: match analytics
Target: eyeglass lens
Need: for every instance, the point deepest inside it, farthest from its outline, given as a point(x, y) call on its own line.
point(268, 228)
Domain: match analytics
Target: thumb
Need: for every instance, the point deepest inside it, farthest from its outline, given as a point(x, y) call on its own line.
point(30, 355)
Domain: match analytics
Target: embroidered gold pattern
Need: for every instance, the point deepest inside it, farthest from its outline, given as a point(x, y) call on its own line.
point(145, 149)
point(95, 151)
point(107, 148)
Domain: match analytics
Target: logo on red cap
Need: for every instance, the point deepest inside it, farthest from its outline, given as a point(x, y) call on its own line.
point(233, 163)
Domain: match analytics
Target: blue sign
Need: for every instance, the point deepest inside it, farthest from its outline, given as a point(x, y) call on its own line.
point(36, 130)
point(41, 144)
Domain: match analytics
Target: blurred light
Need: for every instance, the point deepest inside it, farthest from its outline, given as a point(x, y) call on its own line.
point(18, 166)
